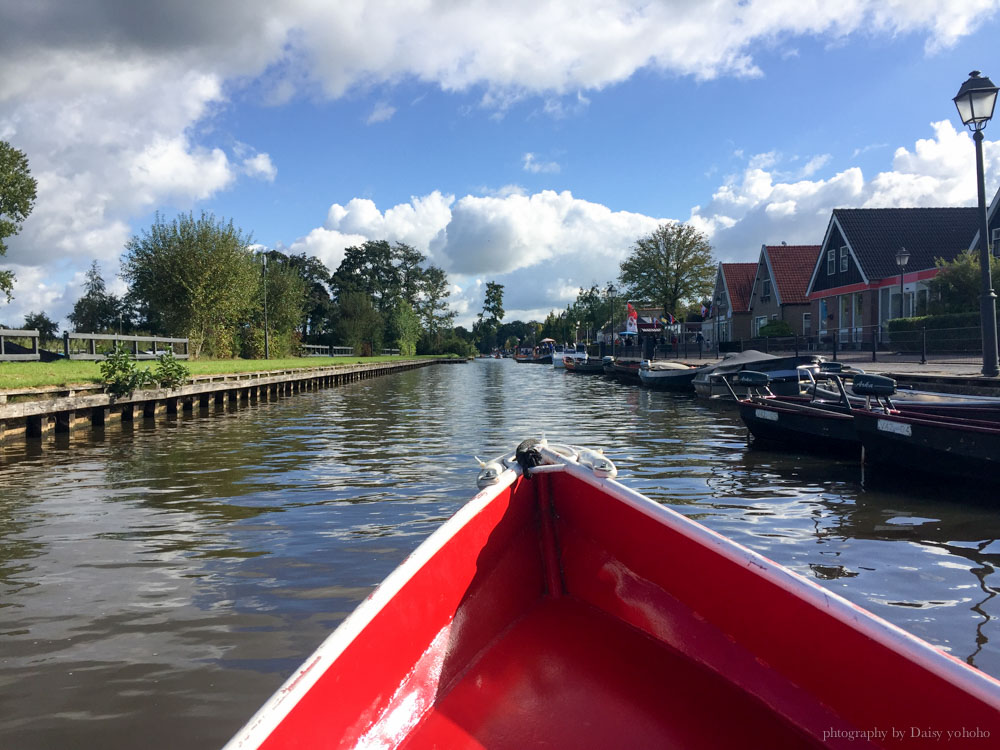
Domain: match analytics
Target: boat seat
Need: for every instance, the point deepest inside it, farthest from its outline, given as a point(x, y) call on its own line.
point(752, 378)
point(873, 385)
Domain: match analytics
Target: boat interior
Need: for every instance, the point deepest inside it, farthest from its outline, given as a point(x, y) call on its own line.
point(559, 615)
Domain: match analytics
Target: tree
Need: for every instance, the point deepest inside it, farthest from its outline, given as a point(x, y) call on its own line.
point(318, 303)
point(670, 267)
point(198, 275)
point(435, 314)
point(402, 329)
point(369, 268)
point(96, 311)
point(17, 198)
point(46, 327)
point(286, 299)
point(358, 324)
point(958, 285)
point(489, 319)
point(411, 275)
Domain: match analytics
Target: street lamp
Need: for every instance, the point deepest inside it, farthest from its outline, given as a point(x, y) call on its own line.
point(902, 258)
point(975, 102)
point(267, 342)
point(611, 295)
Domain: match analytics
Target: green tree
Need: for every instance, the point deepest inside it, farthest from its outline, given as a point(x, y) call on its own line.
point(286, 300)
point(369, 268)
point(958, 285)
point(402, 328)
point(96, 311)
point(199, 276)
point(318, 304)
point(17, 198)
point(670, 267)
point(411, 275)
point(488, 321)
point(435, 314)
point(46, 327)
point(358, 324)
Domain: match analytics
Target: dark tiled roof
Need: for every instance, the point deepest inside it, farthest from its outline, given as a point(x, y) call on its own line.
point(792, 266)
point(739, 281)
point(876, 234)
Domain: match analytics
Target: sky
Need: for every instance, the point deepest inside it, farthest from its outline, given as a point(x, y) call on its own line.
point(528, 143)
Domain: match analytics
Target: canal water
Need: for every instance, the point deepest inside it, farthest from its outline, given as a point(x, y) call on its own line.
point(158, 581)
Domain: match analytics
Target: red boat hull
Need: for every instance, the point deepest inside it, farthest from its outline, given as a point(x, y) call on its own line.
point(567, 611)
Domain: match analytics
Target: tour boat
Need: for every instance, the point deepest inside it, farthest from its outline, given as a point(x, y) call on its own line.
point(559, 608)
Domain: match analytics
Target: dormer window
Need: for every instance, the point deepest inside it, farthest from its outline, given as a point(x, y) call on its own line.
point(843, 258)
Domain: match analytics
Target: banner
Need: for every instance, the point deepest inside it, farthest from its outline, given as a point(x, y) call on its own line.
point(632, 322)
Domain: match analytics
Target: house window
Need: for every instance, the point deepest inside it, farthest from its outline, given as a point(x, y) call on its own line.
point(807, 324)
point(831, 262)
point(759, 323)
point(824, 314)
point(765, 292)
point(996, 239)
point(843, 258)
point(774, 316)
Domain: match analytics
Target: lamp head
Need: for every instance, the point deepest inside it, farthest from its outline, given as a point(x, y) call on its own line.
point(975, 101)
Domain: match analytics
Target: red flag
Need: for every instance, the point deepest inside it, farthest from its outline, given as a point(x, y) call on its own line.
point(632, 323)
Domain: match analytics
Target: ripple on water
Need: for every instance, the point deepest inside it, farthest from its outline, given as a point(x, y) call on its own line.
point(162, 581)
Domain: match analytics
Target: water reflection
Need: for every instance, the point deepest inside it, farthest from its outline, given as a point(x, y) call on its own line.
point(159, 580)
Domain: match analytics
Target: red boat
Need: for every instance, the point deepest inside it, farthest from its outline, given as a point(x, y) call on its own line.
point(560, 609)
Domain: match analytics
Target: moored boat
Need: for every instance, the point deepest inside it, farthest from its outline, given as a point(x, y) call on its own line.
point(928, 443)
point(584, 365)
point(560, 609)
point(671, 376)
point(783, 372)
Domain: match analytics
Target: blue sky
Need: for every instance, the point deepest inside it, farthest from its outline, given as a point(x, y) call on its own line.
point(526, 143)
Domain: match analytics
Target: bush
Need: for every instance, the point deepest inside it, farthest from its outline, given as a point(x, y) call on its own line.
point(169, 372)
point(776, 328)
point(952, 332)
point(120, 373)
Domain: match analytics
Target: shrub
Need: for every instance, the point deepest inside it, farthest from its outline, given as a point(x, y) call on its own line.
point(120, 373)
point(170, 372)
point(776, 328)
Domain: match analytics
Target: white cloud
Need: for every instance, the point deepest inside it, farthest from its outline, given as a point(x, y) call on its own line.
point(260, 166)
point(381, 113)
point(115, 110)
point(533, 165)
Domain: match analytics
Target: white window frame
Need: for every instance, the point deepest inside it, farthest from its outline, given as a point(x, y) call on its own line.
point(831, 262)
point(765, 290)
point(843, 259)
point(759, 322)
point(807, 324)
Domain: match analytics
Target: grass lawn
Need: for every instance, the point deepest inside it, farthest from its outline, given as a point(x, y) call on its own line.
point(15, 375)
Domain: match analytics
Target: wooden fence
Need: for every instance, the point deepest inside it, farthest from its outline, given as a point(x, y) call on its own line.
point(316, 350)
point(19, 352)
point(99, 345)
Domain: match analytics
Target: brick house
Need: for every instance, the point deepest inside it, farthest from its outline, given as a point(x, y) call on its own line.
point(855, 283)
point(779, 287)
point(730, 316)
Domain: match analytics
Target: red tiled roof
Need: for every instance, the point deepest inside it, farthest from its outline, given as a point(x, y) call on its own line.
point(739, 281)
point(792, 266)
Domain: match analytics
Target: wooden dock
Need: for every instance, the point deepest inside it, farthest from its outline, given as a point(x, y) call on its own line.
point(34, 413)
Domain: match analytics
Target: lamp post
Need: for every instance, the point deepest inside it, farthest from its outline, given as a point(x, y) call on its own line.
point(267, 342)
point(902, 258)
point(975, 102)
point(611, 296)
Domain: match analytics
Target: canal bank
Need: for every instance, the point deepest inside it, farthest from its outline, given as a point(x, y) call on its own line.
point(37, 412)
